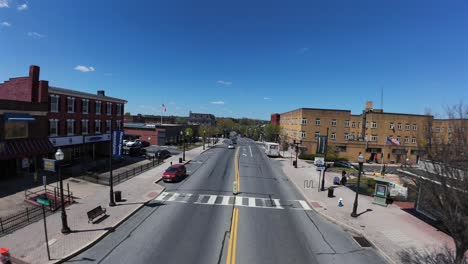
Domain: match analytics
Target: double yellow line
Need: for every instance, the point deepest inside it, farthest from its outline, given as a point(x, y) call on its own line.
point(232, 247)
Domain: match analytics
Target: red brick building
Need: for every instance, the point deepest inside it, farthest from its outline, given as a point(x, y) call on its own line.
point(275, 119)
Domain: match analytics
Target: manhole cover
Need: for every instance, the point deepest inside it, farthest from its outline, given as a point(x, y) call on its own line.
point(362, 241)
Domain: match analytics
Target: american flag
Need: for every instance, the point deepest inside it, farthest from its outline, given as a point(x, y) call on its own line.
point(392, 141)
point(163, 108)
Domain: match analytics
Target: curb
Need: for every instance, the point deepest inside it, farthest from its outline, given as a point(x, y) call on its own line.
point(343, 225)
point(110, 229)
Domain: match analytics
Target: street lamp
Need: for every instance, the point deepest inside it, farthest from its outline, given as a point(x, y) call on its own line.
point(204, 137)
point(296, 148)
point(361, 162)
point(183, 143)
point(59, 156)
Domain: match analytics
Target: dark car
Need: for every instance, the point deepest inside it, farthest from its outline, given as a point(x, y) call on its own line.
point(162, 154)
point(174, 173)
point(136, 151)
point(343, 164)
point(144, 144)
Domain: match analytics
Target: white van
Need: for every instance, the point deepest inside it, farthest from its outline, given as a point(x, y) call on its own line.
point(272, 149)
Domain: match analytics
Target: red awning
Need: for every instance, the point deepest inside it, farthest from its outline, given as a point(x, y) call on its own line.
point(20, 148)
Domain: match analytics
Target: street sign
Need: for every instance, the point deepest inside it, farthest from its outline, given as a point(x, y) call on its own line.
point(43, 201)
point(49, 165)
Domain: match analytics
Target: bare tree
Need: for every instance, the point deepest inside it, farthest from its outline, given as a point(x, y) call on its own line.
point(445, 184)
point(442, 256)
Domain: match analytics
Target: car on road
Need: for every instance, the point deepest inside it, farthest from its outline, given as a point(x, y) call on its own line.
point(230, 146)
point(133, 143)
point(174, 173)
point(144, 144)
point(162, 154)
point(344, 164)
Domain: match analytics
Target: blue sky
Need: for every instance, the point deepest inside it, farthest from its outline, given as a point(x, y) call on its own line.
point(244, 58)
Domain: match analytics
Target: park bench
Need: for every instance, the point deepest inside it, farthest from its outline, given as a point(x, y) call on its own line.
point(96, 212)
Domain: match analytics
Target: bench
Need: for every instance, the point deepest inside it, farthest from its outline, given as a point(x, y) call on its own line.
point(93, 214)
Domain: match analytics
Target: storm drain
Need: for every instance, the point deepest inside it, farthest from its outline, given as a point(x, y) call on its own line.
point(362, 241)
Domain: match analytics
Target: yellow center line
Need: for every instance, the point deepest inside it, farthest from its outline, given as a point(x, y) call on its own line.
point(232, 247)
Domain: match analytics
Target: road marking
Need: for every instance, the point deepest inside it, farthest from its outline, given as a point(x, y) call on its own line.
point(250, 151)
point(238, 201)
point(252, 202)
point(232, 246)
point(173, 197)
point(225, 200)
point(161, 196)
point(212, 199)
point(305, 205)
point(277, 203)
point(185, 197)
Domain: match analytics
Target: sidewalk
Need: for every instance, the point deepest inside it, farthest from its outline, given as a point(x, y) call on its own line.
point(28, 244)
point(390, 229)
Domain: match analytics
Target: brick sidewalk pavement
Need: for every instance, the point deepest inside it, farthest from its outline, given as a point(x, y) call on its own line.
point(28, 244)
point(390, 229)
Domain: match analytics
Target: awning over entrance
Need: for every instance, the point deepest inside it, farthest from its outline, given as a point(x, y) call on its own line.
point(25, 148)
point(18, 117)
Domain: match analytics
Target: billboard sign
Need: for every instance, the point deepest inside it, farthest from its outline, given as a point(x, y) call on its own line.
point(117, 142)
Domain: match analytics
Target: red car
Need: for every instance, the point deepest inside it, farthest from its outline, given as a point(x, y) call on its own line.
point(174, 173)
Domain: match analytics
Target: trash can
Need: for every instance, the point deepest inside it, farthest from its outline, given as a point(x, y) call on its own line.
point(180, 160)
point(330, 192)
point(118, 196)
point(295, 163)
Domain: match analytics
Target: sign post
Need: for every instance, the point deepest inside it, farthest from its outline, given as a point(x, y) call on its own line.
point(49, 165)
point(115, 150)
point(45, 202)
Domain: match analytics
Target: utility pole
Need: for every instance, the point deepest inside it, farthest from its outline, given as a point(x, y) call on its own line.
point(325, 159)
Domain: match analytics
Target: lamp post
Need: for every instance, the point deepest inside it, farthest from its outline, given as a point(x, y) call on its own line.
point(296, 148)
point(59, 156)
point(361, 162)
point(325, 160)
point(204, 138)
point(183, 143)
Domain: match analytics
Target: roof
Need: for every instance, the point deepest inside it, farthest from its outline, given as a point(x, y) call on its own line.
point(316, 109)
point(83, 94)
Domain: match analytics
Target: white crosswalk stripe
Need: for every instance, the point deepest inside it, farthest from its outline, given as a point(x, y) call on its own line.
point(239, 201)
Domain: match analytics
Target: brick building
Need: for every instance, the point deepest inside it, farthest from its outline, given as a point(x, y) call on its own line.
point(391, 137)
point(201, 119)
point(149, 119)
point(275, 119)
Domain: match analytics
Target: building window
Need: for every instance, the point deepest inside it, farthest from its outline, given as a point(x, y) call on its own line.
point(98, 107)
point(109, 108)
point(346, 123)
point(53, 127)
point(71, 104)
point(352, 136)
point(85, 105)
point(353, 124)
point(303, 134)
point(346, 136)
point(392, 126)
point(442, 129)
point(97, 126)
point(374, 124)
point(70, 127)
point(450, 129)
point(437, 129)
point(367, 124)
point(399, 126)
point(16, 130)
point(119, 109)
point(317, 122)
point(333, 123)
point(359, 124)
point(84, 126)
point(304, 121)
point(407, 127)
point(333, 135)
point(398, 138)
point(414, 140)
point(108, 126)
point(54, 103)
point(373, 138)
point(406, 139)
point(119, 124)
point(415, 127)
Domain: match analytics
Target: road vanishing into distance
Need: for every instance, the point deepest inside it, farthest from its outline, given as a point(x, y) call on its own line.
point(199, 220)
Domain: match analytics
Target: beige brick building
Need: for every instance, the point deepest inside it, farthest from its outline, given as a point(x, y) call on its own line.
point(366, 132)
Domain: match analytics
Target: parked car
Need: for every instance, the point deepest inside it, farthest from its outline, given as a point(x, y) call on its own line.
point(144, 144)
point(231, 146)
point(132, 143)
point(174, 173)
point(136, 151)
point(163, 154)
point(344, 164)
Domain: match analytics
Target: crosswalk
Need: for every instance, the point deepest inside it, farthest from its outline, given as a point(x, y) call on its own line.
point(226, 200)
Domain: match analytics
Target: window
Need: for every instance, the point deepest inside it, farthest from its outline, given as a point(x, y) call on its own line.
point(53, 127)
point(415, 127)
point(346, 136)
point(84, 126)
point(98, 107)
point(399, 126)
point(97, 126)
point(374, 138)
point(304, 121)
point(54, 103)
point(70, 127)
point(333, 123)
point(109, 108)
point(333, 135)
point(442, 129)
point(346, 123)
point(352, 136)
point(317, 122)
point(108, 126)
point(398, 138)
point(16, 130)
point(303, 134)
point(367, 124)
point(119, 111)
point(85, 105)
point(406, 139)
point(407, 127)
point(392, 126)
point(353, 124)
point(414, 140)
point(437, 129)
point(317, 134)
point(71, 104)
point(374, 124)
point(119, 124)
point(359, 124)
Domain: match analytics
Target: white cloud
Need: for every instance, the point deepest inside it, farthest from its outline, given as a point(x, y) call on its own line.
point(218, 102)
point(35, 35)
point(4, 4)
point(5, 24)
point(224, 82)
point(82, 68)
point(266, 98)
point(22, 7)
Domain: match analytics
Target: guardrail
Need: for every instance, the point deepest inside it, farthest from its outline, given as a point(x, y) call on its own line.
point(13, 222)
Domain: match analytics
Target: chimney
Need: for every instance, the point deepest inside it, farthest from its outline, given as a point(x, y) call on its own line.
point(34, 82)
point(34, 73)
point(369, 105)
point(101, 93)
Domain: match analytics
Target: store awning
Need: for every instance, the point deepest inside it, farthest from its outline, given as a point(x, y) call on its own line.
point(20, 148)
point(18, 117)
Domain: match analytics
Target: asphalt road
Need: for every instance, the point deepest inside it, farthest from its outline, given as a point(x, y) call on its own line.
point(198, 220)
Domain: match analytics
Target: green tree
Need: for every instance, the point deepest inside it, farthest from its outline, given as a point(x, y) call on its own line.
point(272, 132)
point(128, 114)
